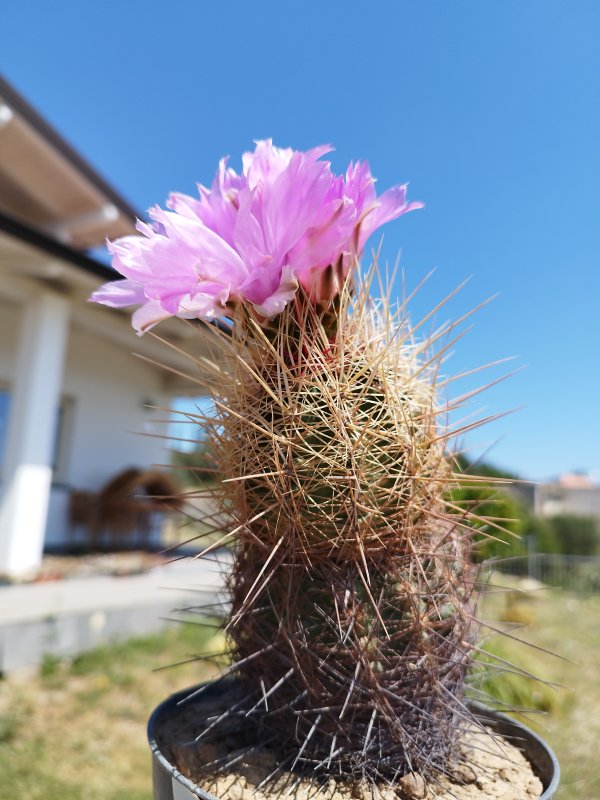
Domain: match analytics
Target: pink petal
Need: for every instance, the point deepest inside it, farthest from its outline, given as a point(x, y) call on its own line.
point(262, 282)
point(390, 205)
point(208, 255)
point(294, 203)
point(360, 186)
point(185, 205)
point(266, 163)
point(118, 294)
point(248, 234)
point(322, 246)
point(227, 180)
point(207, 303)
point(148, 315)
point(278, 300)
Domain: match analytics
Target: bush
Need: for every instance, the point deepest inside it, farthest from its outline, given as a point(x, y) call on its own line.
point(543, 534)
point(575, 535)
point(489, 501)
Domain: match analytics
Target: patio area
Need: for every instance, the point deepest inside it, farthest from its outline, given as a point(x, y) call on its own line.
point(80, 602)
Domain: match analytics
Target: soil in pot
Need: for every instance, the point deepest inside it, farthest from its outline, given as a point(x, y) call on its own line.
point(230, 766)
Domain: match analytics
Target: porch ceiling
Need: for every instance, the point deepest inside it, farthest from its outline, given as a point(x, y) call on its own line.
point(46, 184)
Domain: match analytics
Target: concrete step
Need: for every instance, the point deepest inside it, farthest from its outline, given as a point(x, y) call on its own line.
point(67, 617)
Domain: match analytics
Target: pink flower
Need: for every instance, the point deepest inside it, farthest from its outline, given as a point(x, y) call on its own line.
point(252, 238)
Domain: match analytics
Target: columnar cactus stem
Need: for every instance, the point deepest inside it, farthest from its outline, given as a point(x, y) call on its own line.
point(351, 591)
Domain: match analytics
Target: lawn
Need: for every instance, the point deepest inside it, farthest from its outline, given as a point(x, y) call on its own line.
point(76, 730)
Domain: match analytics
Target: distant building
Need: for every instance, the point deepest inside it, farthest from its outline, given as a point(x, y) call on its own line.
point(570, 493)
point(72, 397)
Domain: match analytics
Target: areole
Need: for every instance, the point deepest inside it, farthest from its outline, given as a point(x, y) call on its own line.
point(170, 784)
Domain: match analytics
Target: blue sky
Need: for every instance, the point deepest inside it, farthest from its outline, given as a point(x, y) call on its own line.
point(490, 110)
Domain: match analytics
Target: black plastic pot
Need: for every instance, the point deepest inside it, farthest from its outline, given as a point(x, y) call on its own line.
point(170, 784)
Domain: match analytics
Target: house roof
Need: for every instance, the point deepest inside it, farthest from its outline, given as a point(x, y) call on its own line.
point(41, 242)
point(54, 206)
point(46, 185)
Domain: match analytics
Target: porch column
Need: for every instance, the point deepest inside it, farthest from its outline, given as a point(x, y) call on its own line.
point(35, 398)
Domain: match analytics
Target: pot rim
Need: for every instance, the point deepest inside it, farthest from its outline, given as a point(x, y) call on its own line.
point(496, 718)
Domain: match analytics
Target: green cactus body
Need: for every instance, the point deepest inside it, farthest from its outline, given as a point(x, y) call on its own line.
point(351, 588)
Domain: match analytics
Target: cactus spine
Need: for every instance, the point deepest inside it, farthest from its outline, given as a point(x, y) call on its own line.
point(351, 593)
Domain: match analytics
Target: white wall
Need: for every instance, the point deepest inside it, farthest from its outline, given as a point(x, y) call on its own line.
point(107, 386)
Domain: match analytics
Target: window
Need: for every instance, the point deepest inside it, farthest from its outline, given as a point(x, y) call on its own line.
point(4, 412)
point(62, 432)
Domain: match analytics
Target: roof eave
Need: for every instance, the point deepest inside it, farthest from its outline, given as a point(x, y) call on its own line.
point(49, 246)
point(50, 135)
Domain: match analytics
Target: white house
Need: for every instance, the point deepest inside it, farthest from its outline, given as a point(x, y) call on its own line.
point(73, 398)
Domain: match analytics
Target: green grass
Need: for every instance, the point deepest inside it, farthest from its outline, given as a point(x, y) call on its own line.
point(77, 731)
point(513, 689)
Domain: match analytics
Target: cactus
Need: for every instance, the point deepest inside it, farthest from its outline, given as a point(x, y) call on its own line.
point(351, 595)
point(351, 591)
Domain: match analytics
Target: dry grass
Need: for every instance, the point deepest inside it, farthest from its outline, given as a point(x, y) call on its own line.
point(78, 729)
point(571, 626)
point(567, 625)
